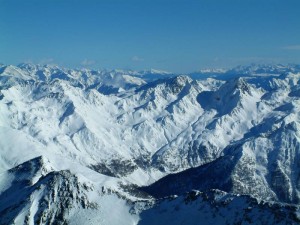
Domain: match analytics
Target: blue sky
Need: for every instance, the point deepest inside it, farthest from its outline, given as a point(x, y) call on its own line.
point(174, 35)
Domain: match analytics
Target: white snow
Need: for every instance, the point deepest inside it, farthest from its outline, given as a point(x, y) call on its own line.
point(81, 120)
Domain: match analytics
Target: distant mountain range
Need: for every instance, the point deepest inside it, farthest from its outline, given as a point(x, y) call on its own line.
point(80, 146)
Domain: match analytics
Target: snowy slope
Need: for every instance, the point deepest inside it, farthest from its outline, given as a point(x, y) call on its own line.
point(119, 129)
point(263, 160)
point(217, 207)
point(36, 192)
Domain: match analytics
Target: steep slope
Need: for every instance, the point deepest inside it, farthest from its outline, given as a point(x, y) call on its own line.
point(164, 126)
point(37, 193)
point(262, 163)
point(82, 130)
point(89, 127)
point(217, 207)
point(215, 126)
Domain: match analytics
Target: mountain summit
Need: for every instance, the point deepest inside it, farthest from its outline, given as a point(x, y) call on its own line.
point(77, 143)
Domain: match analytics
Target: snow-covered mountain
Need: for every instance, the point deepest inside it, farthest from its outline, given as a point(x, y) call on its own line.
point(76, 143)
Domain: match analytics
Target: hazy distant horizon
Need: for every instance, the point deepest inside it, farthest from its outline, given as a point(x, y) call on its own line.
point(158, 70)
point(177, 36)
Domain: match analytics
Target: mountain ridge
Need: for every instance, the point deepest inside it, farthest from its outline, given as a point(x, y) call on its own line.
point(127, 131)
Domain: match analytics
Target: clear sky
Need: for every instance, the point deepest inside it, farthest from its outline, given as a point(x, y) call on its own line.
point(173, 35)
